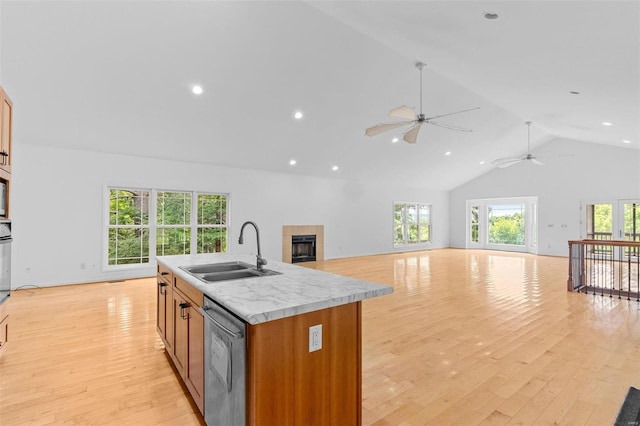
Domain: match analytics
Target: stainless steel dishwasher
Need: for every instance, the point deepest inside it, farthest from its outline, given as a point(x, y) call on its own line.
point(224, 369)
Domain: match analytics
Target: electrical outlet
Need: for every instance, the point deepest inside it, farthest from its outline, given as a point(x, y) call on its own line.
point(315, 338)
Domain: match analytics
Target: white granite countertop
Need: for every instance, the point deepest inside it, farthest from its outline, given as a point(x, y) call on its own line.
point(260, 299)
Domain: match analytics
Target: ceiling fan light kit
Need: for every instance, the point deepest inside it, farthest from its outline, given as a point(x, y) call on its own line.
point(414, 120)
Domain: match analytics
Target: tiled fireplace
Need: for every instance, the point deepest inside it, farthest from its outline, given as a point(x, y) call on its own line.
point(302, 243)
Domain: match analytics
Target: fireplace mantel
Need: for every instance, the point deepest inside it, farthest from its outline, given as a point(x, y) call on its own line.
point(289, 230)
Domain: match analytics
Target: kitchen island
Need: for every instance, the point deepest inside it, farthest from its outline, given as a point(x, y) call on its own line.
point(287, 378)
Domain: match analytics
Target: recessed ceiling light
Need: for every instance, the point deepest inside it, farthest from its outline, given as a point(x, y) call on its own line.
point(394, 140)
point(447, 153)
point(606, 123)
point(490, 15)
point(334, 168)
point(292, 162)
point(197, 90)
point(298, 115)
point(482, 162)
point(626, 141)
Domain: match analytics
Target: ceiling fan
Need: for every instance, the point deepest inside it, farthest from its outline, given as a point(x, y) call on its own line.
point(416, 121)
point(506, 162)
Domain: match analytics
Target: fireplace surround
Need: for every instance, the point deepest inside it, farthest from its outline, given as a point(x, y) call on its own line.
point(307, 246)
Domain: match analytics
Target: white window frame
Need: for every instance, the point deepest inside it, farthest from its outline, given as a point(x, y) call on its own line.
point(107, 202)
point(531, 224)
point(407, 243)
point(153, 225)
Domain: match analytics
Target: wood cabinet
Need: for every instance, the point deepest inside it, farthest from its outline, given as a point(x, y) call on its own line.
point(188, 345)
point(6, 131)
point(288, 385)
point(285, 383)
point(194, 374)
point(165, 307)
point(4, 323)
point(181, 326)
point(181, 331)
point(6, 140)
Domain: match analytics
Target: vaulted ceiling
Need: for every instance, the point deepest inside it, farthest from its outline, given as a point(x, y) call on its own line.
point(116, 76)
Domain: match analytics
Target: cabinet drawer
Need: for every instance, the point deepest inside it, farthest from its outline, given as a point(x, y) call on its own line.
point(165, 274)
point(188, 290)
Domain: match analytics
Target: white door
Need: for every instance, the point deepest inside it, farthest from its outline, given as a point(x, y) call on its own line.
point(628, 224)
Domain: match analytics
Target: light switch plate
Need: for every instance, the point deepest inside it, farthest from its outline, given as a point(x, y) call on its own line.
point(315, 338)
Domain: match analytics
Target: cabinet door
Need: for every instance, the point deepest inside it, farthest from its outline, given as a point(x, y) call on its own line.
point(6, 117)
point(165, 317)
point(169, 319)
point(181, 331)
point(195, 366)
point(161, 308)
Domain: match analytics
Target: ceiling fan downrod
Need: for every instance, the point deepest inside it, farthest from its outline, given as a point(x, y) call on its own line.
point(420, 66)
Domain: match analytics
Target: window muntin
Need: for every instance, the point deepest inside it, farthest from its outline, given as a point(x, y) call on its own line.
point(411, 223)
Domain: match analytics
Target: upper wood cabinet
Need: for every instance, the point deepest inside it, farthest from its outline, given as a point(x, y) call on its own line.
point(6, 132)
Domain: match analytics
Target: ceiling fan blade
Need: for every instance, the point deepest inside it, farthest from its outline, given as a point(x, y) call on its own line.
point(451, 113)
point(448, 126)
point(380, 128)
point(412, 134)
point(403, 112)
point(505, 162)
point(539, 163)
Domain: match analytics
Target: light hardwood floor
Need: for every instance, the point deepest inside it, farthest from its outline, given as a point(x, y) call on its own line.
point(468, 337)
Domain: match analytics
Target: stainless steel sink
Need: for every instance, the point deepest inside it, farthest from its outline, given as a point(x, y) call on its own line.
point(226, 271)
point(217, 267)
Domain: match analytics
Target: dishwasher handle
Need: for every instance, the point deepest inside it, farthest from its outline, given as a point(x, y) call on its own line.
point(236, 334)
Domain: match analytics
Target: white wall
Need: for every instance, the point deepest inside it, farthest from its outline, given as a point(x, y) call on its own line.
point(57, 209)
point(573, 172)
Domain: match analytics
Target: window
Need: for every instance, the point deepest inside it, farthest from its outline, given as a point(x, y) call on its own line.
point(212, 223)
point(506, 224)
point(144, 223)
point(475, 224)
point(411, 223)
point(173, 219)
point(509, 224)
point(128, 229)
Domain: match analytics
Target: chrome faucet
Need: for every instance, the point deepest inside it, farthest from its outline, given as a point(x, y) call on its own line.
point(261, 261)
